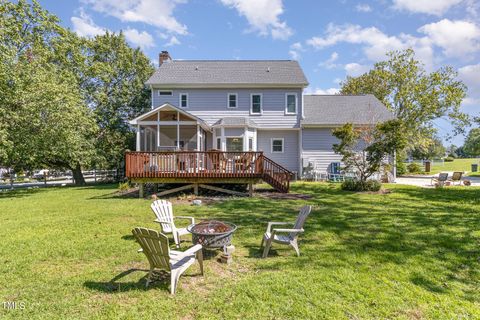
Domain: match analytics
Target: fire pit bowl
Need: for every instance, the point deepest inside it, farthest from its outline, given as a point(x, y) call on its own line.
point(212, 234)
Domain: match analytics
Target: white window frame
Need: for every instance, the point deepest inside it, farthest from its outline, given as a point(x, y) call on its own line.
point(228, 100)
point(180, 100)
point(251, 103)
point(283, 145)
point(165, 95)
point(286, 102)
point(234, 137)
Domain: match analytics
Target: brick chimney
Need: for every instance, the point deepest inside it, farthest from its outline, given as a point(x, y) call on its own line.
point(164, 56)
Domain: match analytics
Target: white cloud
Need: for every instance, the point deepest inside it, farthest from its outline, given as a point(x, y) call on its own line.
point(363, 7)
point(330, 62)
point(376, 43)
point(355, 69)
point(295, 50)
point(172, 42)
point(456, 38)
point(263, 16)
point(158, 13)
point(141, 39)
point(85, 27)
point(435, 7)
point(322, 91)
point(470, 75)
point(295, 55)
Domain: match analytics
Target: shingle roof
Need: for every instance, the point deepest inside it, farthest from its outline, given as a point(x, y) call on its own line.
point(340, 109)
point(235, 121)
point(225, 72)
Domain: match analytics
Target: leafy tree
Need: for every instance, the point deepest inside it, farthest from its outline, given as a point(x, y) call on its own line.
point(472, 143)
point(65, 99)
point(416, 97)
point(452, 151)
point(435, 149)
point(45, 122)
point(365, 148)
point(115, 91)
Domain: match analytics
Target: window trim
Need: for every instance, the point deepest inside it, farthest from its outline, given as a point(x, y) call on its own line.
point(251, 103)
point(286, 103)
point(283, 145)
point(228, 100)
point(167, 95)
point(180, 100)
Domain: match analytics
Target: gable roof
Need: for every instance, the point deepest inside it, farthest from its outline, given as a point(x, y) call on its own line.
point(229, 72)
point(168, 106)
point(339, 109)
point(235, 122)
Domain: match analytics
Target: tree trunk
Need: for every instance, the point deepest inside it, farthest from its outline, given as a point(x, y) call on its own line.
point(78, 175)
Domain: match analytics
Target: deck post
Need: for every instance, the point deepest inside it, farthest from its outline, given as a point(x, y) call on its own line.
point(250, 189)
point(178, 130)
point(140, 190)
point(195, 189)
point(138, 139)
point(158, 130)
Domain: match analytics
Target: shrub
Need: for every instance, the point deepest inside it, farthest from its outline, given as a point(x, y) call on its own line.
point(125, 186)
point(449, 159)
point(401, 168)
point(357, 185)
point(414, 167)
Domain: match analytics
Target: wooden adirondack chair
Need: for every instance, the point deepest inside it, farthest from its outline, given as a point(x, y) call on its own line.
point(285, 236)
point(440, 180)
point(164, 212)
point(457, 177)
point(155, 247)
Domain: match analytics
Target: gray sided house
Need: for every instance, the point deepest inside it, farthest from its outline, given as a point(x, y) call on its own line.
point(242, 106)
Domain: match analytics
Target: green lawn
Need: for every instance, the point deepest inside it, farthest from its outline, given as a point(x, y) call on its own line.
point(456, 165)
point(409, 254)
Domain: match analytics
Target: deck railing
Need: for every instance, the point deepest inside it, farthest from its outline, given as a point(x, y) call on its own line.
point(177, 164)
point(207, 164)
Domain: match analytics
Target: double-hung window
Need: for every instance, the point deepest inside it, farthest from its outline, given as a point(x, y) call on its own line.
point(256, 103)
point(232, 100)
point(291, 103)
point(277, 145)
point(184, 100)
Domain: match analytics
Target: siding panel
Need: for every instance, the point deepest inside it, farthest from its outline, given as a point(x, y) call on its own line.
point(317, 147)
point(289, 158)
point(211, 105)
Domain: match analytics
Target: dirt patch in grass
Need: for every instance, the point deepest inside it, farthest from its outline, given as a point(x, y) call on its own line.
point(284, 196)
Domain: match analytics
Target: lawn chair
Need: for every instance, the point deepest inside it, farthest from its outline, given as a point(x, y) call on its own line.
point(440, 180)
point(155, 247)
point(164, 212)
point(457, 177)
point(289, 236)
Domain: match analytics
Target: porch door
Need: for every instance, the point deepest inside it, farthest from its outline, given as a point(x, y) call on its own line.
point(234, 144)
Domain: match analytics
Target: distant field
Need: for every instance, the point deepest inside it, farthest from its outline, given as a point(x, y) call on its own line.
point(456, 165)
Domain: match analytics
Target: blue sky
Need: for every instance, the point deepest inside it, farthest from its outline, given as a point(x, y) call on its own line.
point(331, 39)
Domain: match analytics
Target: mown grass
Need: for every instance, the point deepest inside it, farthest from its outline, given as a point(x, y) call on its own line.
point(409, 254)
point(463, 165)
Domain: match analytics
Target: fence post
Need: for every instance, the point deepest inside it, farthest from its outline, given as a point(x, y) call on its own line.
point(95, 174)
point(45, 178)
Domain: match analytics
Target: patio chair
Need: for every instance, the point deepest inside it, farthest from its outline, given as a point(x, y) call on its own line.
point(164, 212)
point(457, 177)
point(155, 247)
point(285, 236)
point(440, 180)
point(218, 160)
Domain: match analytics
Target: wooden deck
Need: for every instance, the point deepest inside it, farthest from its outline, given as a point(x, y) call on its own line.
point(205, 167)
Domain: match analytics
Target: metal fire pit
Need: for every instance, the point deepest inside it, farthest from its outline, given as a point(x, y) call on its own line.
point(212, 234)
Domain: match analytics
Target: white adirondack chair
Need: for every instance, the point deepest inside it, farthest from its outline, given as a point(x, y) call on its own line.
point(285, 236)
point(164, 212)
point(155, 247)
